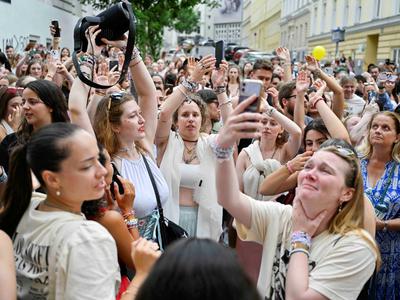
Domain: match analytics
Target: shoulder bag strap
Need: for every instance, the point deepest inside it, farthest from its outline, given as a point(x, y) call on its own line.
point(153, 182)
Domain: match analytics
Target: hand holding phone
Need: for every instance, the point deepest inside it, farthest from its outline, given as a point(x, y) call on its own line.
point(112, 64)
point(250, 87)
point(219, 53)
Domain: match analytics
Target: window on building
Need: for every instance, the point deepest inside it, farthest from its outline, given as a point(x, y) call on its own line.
point(377, 9)
point(358, 12)
point(305, 32)
point(334, 4)
point(345, 13)
point(323, 16)
point(315, 16)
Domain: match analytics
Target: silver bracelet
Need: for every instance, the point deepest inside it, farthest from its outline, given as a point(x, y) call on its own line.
point(190, 85)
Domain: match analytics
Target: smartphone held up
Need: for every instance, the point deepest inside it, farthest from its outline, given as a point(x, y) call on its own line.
point(219, 53)
point(56, 27)
point(250, 87)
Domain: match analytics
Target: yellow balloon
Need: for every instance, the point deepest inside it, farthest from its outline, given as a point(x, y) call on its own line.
point(319, 52)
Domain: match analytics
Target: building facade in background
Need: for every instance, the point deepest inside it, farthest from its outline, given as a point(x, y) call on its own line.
point(372, 29)
point(261, 24)
point(24, 21)
point(228, 21)
point(295, 25)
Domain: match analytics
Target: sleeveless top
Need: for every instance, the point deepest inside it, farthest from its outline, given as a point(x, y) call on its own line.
point(254, 175)
point(7, 127)
point(145, 198)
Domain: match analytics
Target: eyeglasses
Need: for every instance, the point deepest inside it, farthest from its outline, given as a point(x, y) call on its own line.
point(291, 96)
point(31, 101)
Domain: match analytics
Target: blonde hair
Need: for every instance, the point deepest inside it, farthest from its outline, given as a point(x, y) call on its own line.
point(108, 114)
point(351, 215)
point(366, 148)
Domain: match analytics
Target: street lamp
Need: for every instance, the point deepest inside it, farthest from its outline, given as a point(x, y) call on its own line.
point(337, 36)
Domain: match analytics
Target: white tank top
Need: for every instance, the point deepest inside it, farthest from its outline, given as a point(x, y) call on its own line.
point(190, 176)
point(145, 199)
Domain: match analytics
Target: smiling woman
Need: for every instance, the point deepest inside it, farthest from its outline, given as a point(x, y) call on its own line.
point(52, 240)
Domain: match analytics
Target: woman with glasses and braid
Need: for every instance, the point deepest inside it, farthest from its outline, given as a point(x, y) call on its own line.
point(316, 249)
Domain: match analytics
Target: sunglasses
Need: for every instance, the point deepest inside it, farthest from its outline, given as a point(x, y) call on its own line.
point(15, 90)
point(115, 97)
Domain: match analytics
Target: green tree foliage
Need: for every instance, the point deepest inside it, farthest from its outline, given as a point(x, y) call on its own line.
point(154, 15)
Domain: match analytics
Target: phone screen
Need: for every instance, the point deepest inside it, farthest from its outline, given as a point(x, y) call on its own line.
point(112, 64)
point(219, 53)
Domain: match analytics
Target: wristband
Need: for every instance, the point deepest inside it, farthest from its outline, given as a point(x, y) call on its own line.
point(219, 89)
point(222, 154)
point(301, 237)
point(299, 250)
point(190, 85)
point(135, 63)
point(315, 103)
point(289, 167)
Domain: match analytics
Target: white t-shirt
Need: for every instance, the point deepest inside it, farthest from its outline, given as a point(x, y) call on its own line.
point(354, 106)
point(332, 257)
point(85, 265)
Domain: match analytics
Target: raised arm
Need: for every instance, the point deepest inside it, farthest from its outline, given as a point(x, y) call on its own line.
point(332, 84)
point(284, 54)
point(358, 132)
point(206, 64)
point(335, 127)
point(302, 84)
point(218, 81)
point(291, 148)
point(228, 192)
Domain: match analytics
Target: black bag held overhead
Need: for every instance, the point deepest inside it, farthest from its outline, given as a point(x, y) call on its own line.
point(169, 231)
point(113, 22)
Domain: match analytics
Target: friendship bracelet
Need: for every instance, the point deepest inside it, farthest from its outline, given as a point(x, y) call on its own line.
point(315, 103)
point(135, 64)
point(301, 237)
point(222, 154)
point(219, 89)
point(299, 250)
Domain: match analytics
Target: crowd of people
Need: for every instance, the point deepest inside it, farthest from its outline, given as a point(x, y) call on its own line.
point(299, 200)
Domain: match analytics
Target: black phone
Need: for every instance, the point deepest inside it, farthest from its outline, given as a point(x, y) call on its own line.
point(56, 27)
point(219, 53)
point(112, 64)
point(117, 181)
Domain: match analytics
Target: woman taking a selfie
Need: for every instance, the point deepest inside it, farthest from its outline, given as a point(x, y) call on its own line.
point(309, 249)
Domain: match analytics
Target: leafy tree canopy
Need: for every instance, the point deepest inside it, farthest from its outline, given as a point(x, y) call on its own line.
point(154, 15)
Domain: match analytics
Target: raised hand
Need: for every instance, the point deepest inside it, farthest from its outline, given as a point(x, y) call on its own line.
point(203, 66)
point(283, 53)
point(120, 44)
point(144, 254)
point(218, 75)
point(302, 81)
point(240, 125)
point(125, 200)
point(298, 162)
point(91, 33)
point(312, 63)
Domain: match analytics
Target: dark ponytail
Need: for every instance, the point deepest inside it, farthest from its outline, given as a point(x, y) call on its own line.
point(44, 151)
point(18, 191)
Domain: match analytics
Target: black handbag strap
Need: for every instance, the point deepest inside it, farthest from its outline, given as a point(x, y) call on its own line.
point(128, 53)
point(153, 182)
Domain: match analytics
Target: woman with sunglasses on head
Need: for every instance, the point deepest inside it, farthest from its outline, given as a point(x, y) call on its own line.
point(380, 168)
point(316, 249)
point(126, 129)
point(58, 253)
point(42, 103)
point(184, 155)
point(10, 110)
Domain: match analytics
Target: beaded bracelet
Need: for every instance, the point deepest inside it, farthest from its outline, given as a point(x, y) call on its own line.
point(301, 237)
point(222, 154)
